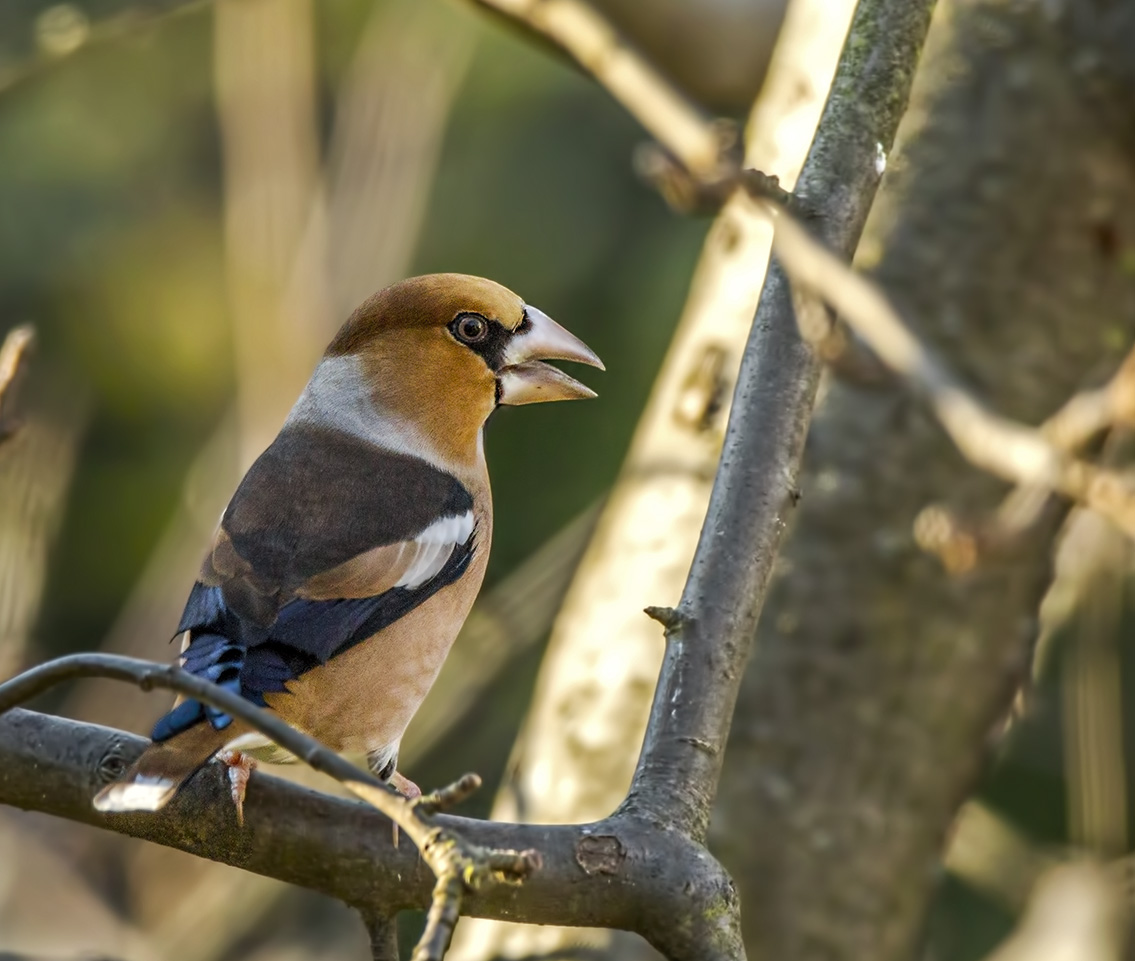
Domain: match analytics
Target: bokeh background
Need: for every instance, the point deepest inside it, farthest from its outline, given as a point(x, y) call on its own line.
point(187, 212)
point(169, 185)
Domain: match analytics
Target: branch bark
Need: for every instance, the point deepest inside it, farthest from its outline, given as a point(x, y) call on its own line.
point(617, 873)
point(457, 866)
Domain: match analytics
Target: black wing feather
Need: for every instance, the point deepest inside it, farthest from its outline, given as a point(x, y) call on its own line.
point(254, 661)
point(283, 524)
point(249, 632)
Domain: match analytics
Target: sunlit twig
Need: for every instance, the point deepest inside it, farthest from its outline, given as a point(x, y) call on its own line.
point(1015, 452)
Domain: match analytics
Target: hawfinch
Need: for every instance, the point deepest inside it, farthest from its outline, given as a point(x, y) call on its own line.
point(352, 550)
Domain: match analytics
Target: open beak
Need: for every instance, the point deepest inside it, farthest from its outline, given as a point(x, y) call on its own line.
point(525, 380)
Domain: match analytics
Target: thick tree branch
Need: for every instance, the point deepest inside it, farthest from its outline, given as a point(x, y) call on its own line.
point(458, 866)
point(618, 873)
point(755, 488)
point(877, 684)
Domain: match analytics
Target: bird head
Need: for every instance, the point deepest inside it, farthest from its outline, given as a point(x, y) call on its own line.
point(444, 350)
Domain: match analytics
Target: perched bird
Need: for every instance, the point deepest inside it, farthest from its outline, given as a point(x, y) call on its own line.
point(354, 547)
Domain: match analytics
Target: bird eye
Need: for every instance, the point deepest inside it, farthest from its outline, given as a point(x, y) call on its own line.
point(471, 328)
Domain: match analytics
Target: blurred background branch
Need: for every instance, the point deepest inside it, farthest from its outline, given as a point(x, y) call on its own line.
point(13, 358)
point(60, 30)
point(578, 28)
point(1012, 451)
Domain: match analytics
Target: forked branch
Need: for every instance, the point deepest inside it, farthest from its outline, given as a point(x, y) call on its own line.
point(1033, 458)
point(458, 865)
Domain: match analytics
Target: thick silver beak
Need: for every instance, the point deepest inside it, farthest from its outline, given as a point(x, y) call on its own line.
point(525, 380)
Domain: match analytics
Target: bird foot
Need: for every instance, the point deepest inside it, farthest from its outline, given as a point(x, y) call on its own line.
point(408, 789)
point(404, 786)
point(240, 767)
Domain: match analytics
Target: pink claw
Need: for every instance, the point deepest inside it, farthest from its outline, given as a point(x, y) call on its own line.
point(404, 786)
point(240, 767)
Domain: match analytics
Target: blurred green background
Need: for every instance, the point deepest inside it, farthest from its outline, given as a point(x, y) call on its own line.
point(111, 244)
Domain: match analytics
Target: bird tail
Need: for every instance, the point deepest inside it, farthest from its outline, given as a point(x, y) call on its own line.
point(161, 770)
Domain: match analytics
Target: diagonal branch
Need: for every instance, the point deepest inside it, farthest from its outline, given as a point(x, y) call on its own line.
point(1015, 452)
point(710, 633)
point(696, 141)
point(960, 542)
point(458, 865)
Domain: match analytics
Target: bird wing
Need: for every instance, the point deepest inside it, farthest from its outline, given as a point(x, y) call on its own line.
point(322, 514)
point(327, 540)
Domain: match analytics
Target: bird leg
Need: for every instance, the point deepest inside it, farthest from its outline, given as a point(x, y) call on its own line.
point(408, 789)
point(240, 767)
point(404, 786)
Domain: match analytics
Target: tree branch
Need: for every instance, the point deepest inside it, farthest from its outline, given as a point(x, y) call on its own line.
point(1030, 457)
point(382, 929)
point(755, 489)
point(699, 143)
point(617, 873)
point(458, 866)
point(960, 544)
point(877, 685)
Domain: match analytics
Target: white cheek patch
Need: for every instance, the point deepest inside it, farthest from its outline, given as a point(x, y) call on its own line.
point(433, 547)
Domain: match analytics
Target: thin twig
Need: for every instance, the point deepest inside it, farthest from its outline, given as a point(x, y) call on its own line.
point(842, 353)
point(458, 865)
point(960, 542)
point(1089, 413)
point(1012, 451)
point(81, 34)
point(699, 143)
point(13, 358)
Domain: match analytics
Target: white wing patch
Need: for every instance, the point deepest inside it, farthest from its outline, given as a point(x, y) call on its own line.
point(143, 792)
point(433, 547)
